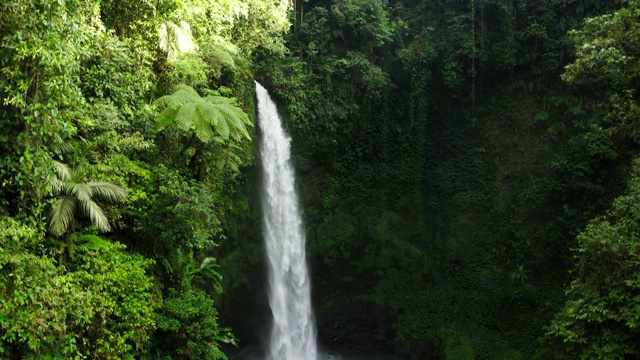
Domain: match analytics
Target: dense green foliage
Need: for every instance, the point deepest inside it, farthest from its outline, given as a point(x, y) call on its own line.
point(99, 304)
point(449, 159)
point(463, 164)
point(92, 140)
point(600, 320)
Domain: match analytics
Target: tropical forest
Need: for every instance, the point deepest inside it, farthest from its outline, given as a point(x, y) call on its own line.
point(461, 178)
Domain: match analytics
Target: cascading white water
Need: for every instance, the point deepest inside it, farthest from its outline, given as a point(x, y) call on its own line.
point(293, 335)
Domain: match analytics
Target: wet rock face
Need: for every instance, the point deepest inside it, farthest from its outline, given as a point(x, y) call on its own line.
point(362, 331)
point(251, 352)
point(247, 313)
point(355, 329)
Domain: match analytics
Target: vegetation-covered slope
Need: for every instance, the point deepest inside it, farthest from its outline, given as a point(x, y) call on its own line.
point(467, 170)
point(449, 162)
point(115, 189)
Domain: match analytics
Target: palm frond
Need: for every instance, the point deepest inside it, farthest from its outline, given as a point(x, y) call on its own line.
point(60, 146)
point(56, 140)
point(60, 187)
point(57, 186)
point(63, 171)
point(61, 214)
point(82, 195)
point(95, 213)
point(107, 191)
point(81, 191)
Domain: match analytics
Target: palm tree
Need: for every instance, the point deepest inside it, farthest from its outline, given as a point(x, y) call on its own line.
point(212, 117)
point(73, 195)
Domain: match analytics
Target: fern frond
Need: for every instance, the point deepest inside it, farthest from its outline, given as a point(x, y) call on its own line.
point(201, 125)
point(233, 161)
point(188, 90)
point(218, 140)
point(243, 119)
point(177, 99)
point(62, 214)
point(163, 38)
point(215, 99)
point(185, 40)
point(167, 117)
point(174, 39)
point(236, 118)
point(223, 51)
point(206, 116)
point(185, 116)
point(224, 57)
point(164, 101)
point(182, 94)
point(223, 128)
point(207, 111)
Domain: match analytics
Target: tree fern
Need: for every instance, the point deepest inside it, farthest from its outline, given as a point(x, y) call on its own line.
point(217, 49)
point(174, 39)
point(227, 157)
point(212, 118)
point(74, 195)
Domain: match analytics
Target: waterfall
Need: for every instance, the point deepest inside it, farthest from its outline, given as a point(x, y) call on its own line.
point(293, 335)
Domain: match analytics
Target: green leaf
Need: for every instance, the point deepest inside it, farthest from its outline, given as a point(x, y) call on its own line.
point(62, 214)
point(186, 110)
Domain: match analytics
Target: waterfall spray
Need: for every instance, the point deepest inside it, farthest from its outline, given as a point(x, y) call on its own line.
point(293, 335)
